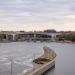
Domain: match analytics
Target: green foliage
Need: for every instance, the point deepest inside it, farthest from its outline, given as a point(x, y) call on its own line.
point(69, 36)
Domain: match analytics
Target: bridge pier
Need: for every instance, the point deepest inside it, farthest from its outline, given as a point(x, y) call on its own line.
point(7, 37)
point(13, 37)
point(34, 37)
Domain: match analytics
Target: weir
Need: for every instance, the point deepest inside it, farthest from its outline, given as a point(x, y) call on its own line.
point(43, 63)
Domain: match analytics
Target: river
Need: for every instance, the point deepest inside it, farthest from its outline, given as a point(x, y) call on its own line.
point(21, 54)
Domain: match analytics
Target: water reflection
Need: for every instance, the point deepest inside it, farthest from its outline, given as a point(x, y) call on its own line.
point(49, 72)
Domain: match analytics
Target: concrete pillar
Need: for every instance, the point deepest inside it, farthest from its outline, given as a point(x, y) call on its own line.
point(52, 38)
point(55, 36)
point(34, 37)
point(7, 37)
point(13, 36)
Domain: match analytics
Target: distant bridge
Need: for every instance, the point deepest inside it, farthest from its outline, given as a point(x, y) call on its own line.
point(29, 36)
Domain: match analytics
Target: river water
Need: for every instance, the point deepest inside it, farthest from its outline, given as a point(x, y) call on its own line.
point(17, 56)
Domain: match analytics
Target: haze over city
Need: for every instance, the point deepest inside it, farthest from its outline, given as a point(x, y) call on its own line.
point(30, 15)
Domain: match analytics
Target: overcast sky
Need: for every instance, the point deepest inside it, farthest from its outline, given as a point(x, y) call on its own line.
point(37, 14)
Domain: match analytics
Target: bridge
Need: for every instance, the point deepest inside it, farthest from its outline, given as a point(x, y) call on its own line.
point(28, 36)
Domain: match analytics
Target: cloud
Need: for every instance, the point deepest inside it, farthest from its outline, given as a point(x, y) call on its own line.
point(69, 27)
point(70, 17)
point(22, 12)
point(23, 1)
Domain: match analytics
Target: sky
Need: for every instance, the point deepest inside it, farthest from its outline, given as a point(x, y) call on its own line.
point(30, 15)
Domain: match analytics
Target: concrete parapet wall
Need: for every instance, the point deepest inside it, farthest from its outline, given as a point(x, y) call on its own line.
point(48, 60)
point(40, 70)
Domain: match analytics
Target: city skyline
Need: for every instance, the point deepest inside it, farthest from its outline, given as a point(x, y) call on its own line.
point(30, 15)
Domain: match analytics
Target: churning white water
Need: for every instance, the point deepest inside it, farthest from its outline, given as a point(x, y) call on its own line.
point(17, 57)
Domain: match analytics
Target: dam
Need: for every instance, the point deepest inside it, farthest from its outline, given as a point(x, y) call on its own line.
point(43, 63)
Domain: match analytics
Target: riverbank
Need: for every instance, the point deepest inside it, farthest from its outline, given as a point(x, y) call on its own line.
point(65, 42)
point(69, 42)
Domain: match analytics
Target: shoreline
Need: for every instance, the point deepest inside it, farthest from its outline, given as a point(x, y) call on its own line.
point(68, 42)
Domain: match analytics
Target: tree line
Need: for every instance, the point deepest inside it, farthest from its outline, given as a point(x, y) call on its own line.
point(70, 36)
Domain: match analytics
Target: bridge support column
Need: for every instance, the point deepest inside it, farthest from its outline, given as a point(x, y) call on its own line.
point(34, 37)
point(13, 37)
point(7, 38)
point(52, 38)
